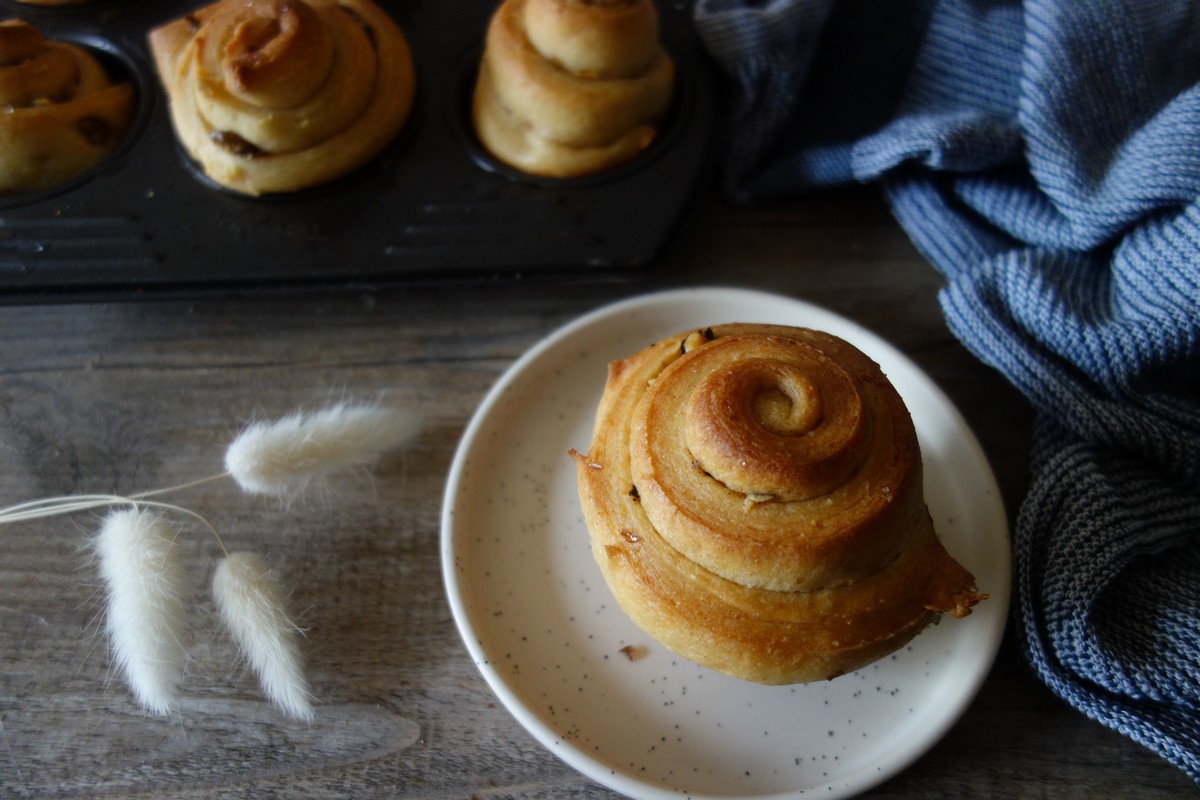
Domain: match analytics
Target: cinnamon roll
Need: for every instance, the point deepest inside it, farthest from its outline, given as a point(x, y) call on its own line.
point(60, 112)
point(754, 499)
point(279, 95)
point(571, 87)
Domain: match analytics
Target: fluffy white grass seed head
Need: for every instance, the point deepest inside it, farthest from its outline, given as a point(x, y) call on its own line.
point(281, 458)
point(135, 550)
point(250, 603)
point(144, 616)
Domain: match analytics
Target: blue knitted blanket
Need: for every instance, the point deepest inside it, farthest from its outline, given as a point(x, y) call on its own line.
point(1045, 157)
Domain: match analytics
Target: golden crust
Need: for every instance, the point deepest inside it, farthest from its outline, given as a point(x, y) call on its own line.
point(280, 95)
point(753, 496)
point(569, 88)
point(60, 113)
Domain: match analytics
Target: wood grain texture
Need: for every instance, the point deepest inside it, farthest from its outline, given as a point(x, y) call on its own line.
point(125, 397)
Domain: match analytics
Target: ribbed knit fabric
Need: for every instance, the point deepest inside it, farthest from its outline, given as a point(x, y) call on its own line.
point(1045, 157)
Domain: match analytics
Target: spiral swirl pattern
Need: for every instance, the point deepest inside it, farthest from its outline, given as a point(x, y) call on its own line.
point(279, 95)
point(571, 87)
point(754, 498)
point(60, 113)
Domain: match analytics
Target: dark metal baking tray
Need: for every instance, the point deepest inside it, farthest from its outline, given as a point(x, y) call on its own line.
point(432, 208)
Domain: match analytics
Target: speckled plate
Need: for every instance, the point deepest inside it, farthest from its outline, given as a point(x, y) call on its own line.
point(556, 649)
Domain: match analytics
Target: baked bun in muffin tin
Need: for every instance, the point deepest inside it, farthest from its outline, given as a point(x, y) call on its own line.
point(61, 113)
point(572, 87)
point(283, 95)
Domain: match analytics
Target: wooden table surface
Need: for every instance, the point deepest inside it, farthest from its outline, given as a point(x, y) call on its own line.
point(129, 396)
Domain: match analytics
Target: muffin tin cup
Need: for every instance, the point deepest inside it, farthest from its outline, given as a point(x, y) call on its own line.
point(122, 66)
point(434, 206)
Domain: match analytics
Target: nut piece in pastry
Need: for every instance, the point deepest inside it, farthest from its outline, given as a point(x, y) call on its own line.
point(280, 95)
point(60, 112)
point(571, 87)
point(754, 499)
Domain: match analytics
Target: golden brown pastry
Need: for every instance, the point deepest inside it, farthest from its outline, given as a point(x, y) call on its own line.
point(280, 95)
point(754, 499)
point(60, 113)
point(571, 87)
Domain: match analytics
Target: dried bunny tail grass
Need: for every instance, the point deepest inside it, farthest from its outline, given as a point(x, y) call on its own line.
point(249, 601)
point(282, 457)
point(145, 618)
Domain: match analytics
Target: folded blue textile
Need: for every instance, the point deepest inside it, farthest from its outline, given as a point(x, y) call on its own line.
point(1045, 157)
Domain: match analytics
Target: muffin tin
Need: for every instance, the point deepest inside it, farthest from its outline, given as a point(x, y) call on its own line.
point(434, 207)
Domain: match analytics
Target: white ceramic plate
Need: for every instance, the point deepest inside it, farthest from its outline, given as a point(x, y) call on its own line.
point(543, 629)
